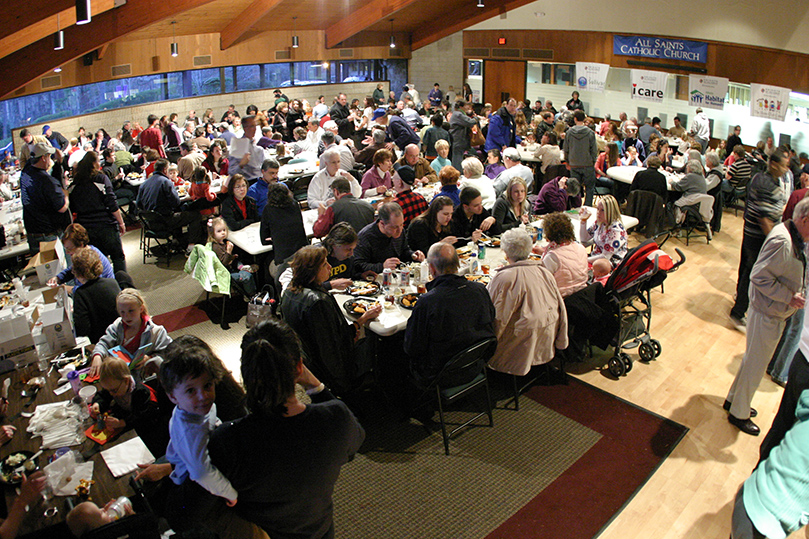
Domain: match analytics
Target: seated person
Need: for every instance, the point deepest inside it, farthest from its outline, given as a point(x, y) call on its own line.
point(413, 204)
point(558, 194)
point(448, 176)
point(432, 135)
point(651, 179)
point(531, 319)
point(609, 158)
point(432, 226)
point(421, 167)
point(693, 183)
point(663, 152)
point(564, 257)
point(602, 269)
point(494, 164)
point(442, 149)
point(94, 299)
point(378, 180)
point(126, 403)
point(75, 237)
point(132, 331)
point(470, 219)
point(328, 342)
point(30, 493)
point(473, 177)
point(319, 188)
point(548, 152)
point(286, 478)
point(514, 167)
point(269, 176)
point(346, 207)
point(244, 274)
point(282, 225)
point(238, 209)
point(607, 235)
point(453, 315)
point(512, 208)
point(158, 194)
point(382, 243)
point(87, 516)
point(631, 158)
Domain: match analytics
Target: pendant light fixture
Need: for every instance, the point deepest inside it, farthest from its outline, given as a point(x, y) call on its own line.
point(58, 37)
point(480, 3)
point(392, 39)
point(83, 13)
point(175, 49)
point(294, 37)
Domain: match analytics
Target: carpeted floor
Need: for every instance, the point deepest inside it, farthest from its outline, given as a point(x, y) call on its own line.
point(562, 466)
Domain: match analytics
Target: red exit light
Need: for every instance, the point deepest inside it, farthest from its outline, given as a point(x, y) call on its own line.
point(501, 41)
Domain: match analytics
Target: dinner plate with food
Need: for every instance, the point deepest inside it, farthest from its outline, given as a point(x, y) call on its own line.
point(6, 287)
point(8, 466)
point(359, 306)
point(464, 252)
point(482, 279)
point(491, 242)
point(408, 301)
point(363, 288)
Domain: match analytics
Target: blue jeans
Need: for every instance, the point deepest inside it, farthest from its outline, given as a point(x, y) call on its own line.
point(787, 347)
point(35, 239)
point(246, 280)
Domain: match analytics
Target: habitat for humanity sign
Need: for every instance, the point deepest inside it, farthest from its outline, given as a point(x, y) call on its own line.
point(658, 47)
point(648, 85)
point(591, 77)
point(707, 92)
point(768, 101)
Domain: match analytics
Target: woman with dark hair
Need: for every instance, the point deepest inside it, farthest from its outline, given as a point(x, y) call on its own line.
point(286, 479)
point(295, 117)
point(467, 92)
point(494, 164)
point(611, 157)
point(282, 215)
point(574, 103)
point(216, 160)
point(432, 226)
point(101, 140)
point(329, 343)
point(280, 123)
point(210, 132)
point(92, 200)
point(238, 209)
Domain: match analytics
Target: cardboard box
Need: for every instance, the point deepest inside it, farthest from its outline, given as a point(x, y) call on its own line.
point(56, 324)
point(17, 342)
point(49, 261)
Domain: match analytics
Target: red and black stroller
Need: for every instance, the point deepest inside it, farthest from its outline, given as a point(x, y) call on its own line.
point(629, 289)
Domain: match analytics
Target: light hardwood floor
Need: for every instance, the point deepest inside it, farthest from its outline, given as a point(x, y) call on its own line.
point(691, 494)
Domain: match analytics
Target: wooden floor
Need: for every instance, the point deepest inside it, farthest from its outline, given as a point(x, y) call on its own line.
point(691, 494)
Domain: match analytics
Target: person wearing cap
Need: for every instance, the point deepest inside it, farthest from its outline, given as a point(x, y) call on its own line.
point(421, 167)
point(29, 142)
point(412, 203)
point(701, 128)
point(44, 204)
point(397, 129)
point(346, 208)
point(56, 139)
point(514, 169)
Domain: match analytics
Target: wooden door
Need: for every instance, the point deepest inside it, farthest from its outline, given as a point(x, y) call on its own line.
point(502, 80)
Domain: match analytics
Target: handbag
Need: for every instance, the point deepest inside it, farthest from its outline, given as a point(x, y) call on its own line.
point(262, 306)
point(476, 138)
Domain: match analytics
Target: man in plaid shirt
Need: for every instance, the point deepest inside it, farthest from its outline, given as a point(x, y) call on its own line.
point(413, 204)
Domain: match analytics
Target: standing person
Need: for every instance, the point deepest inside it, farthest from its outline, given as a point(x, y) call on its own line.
point(433, 134)
point(574, 103)
point(56, 138)
point(398, 131)
point(343, 117)
point(502, 129)
point(776, 285)
point(92, 199)
point(581, 152)
point(248, 163)
point(286, 479)
point(436, 95)
point(763, 209)
point(379, 95)
point(44, 204)
point(152, 137)
point(734, 139)
point(461, 121)
point(282, 225)
point(701, 129)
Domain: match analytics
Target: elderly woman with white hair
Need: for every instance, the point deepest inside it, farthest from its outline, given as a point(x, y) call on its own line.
point(531, 320)
point(693, 183)
point(473, 177)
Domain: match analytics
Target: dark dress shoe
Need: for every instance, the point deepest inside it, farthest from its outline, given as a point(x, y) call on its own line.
point(745, 425)
point(753, 412)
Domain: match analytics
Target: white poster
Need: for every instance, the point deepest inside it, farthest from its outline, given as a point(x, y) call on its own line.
point(591, 77)
point(707, 92)
point(768, 101)
point(648, 85)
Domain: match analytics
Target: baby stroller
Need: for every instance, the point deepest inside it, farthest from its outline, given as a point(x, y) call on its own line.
point(629, 288)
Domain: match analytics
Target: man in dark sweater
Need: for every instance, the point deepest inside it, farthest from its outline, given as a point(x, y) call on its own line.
point(356, 212)
point(398, 131)
point(44, 204)
point(651, 179)
point(382, 243)
point(470, 218)
point(159, 195)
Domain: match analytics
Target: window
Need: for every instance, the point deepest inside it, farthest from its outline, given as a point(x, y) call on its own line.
point(310, 73)
point(247, 78)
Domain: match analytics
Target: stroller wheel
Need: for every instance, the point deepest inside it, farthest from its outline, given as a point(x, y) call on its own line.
point(627, 361)
point(616, 366)
point(656, 345)
point(647, 352)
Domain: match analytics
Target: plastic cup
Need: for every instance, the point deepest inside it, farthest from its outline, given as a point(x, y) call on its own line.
point(87, 393)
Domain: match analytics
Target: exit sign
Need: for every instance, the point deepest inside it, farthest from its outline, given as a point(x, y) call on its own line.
point(501, 41)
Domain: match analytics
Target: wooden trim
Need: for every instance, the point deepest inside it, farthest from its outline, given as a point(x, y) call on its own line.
point(368, 15)
point(244, 21)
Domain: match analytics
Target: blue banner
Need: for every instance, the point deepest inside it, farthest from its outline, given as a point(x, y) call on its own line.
point(658, 47)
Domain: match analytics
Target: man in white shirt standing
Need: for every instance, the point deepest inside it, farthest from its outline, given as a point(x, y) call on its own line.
point(701, 129)
point(319, 191)
point(246, 156)
point(320, 109)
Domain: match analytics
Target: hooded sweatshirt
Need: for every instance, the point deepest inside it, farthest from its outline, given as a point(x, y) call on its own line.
point(580, 146)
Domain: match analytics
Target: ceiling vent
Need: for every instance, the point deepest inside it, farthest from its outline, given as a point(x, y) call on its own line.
point(200, 61)
point(53, 81)
point(505, 53)
point(346, 53)
point(283, 55)
point(122, 70)
point(537, 54)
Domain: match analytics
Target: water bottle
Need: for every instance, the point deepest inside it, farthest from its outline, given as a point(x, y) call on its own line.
point(75, 382)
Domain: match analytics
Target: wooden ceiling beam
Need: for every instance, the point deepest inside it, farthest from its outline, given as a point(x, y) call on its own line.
point(20, 16)
point(244, 21)
point(427, 33)
point(37, 59)
point(363, 18)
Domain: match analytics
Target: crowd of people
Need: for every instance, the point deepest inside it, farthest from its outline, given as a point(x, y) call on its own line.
point(387, 148)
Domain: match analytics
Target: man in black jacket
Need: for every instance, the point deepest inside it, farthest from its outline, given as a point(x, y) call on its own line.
point(342, 117)
point(56, 138)
point(382, 243)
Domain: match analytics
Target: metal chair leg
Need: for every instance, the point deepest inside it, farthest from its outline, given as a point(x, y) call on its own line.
point(441, 418)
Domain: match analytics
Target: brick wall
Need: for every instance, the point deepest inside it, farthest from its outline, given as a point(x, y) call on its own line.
point(440, 62)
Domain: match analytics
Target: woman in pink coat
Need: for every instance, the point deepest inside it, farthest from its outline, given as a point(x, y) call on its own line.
point(531, 320)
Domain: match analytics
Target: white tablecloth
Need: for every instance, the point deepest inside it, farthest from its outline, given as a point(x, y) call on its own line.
point(249, 238)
